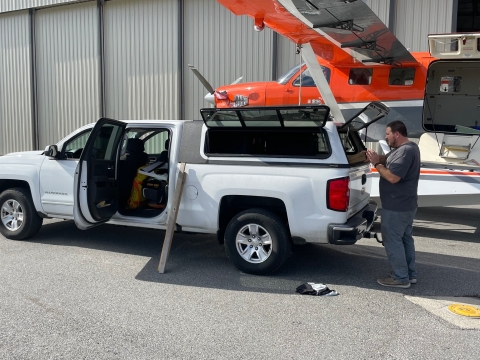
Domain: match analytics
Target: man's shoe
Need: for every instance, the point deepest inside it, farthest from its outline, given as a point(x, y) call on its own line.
point(391, 282)
point(412, 279)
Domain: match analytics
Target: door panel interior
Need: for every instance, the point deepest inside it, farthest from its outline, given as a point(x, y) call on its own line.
point(102, 185)
point(96, 200)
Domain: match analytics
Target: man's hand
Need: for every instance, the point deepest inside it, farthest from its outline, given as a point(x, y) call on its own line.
point(366, 157)
point(372, 156)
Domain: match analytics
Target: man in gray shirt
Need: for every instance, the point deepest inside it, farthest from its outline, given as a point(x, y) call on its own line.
point(399, 174)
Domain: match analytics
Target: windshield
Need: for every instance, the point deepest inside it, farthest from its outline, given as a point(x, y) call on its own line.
point(288, 75)
point(307, 79)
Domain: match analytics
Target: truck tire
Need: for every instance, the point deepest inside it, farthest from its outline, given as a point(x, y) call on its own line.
point(257, 241)
point(18, 218)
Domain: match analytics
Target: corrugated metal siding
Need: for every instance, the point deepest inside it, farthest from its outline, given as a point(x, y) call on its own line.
point(286, 55)
point(223, 47)
point(141, 59)
point(414, 20)
point(67, 69)
point(15, 83)
point(381, 8)
point(14, 5)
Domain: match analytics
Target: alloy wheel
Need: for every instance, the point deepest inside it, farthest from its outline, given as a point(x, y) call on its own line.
point(12, 215)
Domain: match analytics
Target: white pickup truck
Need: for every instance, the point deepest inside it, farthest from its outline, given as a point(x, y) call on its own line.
point(262, 179)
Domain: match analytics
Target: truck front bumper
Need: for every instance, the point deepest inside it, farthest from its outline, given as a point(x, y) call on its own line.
point(354, 228)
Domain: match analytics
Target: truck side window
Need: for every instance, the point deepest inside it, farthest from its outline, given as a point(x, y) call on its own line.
point(103, 147)
point(157, 143)
point(360, 76)
point(401, 76)
point(74, 147)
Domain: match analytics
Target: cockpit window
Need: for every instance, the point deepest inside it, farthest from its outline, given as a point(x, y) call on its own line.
point(307, 79)
point(285, 78)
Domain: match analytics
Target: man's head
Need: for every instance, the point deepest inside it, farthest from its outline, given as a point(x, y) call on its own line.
point(396, 134)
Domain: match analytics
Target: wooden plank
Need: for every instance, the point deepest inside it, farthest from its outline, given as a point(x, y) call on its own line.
point(172, 219)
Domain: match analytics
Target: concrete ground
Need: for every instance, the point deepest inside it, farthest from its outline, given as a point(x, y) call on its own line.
point(96, 294)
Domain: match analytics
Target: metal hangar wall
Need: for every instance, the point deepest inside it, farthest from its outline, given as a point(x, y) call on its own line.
point(66, 63)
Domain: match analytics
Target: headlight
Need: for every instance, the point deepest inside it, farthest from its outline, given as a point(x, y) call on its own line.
point(240, 100)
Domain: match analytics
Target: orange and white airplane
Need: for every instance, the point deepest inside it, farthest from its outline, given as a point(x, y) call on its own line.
point(352, 59)
point(361, 60)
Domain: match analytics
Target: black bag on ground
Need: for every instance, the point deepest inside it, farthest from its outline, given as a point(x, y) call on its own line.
point(315, 289)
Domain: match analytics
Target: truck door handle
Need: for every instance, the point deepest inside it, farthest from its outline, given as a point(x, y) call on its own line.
point(364, 179)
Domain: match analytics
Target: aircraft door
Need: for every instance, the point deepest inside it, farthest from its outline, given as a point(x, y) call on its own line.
point(303, 91)
point(96, 186)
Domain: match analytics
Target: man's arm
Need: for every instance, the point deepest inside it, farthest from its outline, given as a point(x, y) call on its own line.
point(374, 158)
point(387, 174)
point(382, 159)
point(379, 162)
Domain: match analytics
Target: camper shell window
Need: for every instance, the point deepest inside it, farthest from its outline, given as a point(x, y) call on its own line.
point(268, 131)
point(274, 143)
point(353, 146)
point(402, 76)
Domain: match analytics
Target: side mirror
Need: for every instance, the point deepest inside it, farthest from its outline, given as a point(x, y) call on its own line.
point(51, 151)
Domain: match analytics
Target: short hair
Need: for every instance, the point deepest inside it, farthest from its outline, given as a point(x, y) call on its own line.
point(398, 126)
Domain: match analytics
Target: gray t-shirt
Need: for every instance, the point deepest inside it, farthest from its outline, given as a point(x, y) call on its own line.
point(404, 162)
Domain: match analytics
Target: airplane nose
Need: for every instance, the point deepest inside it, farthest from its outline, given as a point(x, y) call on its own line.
point(209, 98)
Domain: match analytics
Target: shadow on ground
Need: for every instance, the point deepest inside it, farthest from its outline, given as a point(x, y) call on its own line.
point(198, 260)
point(446, 223)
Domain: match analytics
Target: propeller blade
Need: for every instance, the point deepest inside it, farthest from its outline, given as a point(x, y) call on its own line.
point(237, 81)
point(204, 81)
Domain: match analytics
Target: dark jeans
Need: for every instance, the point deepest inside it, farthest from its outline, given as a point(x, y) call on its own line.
point(397, 227)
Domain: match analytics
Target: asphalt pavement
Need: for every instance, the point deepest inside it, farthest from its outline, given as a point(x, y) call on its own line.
point(96, 294)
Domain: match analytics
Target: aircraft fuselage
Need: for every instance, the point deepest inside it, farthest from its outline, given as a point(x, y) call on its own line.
point(353, 86)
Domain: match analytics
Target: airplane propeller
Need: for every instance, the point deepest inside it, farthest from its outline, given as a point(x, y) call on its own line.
point(210, 97)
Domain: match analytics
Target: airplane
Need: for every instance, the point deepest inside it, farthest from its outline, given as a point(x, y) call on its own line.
point(361, 60)
point(353, 59)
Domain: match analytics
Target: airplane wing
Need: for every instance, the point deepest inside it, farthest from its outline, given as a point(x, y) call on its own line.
point(340, 31)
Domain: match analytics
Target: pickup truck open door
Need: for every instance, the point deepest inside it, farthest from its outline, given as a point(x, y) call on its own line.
point(96, 186)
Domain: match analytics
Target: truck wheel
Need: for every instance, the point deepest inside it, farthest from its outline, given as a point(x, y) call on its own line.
point(257, 241)
point(19, 219)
